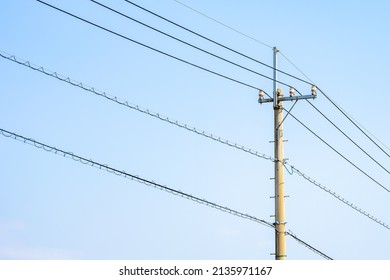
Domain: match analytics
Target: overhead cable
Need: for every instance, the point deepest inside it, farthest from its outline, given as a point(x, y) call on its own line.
point(346, 136)
point(340, 198)
point(184, 42)
point(291, 234)
point(353, 122)
point(127, 175)
point(149, 47)
point(340, 154)
point(141, 180)
point(356, 124)
point(135, 107)
point(221, 45)
point(182, 125)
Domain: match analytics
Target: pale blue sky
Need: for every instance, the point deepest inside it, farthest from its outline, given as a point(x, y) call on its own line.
point(55, 208)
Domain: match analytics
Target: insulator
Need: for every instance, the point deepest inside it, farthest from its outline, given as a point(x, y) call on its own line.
point(292, 91)
point(313, 90)
point(261, 94)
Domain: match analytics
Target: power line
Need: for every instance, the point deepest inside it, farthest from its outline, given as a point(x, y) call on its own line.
point(291, 234)
point(149, 47)
point(219, 44)
point(355, 123)
point(340, 198)
point(349, 138)
point(127, 175)
point(141, 180)
point(183, 42)
point(337, 152)
point(182, 125)
point(138, 108)
point(352, 121)
point(45, 3)
point(368, 132)
point(268, 78)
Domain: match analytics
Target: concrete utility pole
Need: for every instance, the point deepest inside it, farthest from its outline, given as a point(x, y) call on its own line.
point(277, 100)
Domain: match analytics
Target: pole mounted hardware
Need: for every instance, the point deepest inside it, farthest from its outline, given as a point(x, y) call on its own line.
point(277, 100)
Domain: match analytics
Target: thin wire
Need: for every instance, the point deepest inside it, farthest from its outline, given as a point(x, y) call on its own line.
point(340, 198)
point(340, 154)
point(225, 25)
point(345, 135)
point(197, 131)
point(219, 44)
point(149, 47)
point(138, 108)
point(141, 180)
point(184, 42)
point(296, 67)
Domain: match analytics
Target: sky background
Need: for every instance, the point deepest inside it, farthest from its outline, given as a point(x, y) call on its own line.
point(52, 207)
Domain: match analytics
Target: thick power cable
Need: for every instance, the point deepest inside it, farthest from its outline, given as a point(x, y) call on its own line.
point(346, 136)
point(125, 174)
point(146, 182)
point(292, 235)
point(352, 121)
point(135, 107)
point(339, 197)
point(326, 96)
point(219, 44)
point(182, 125)
point(148, 47)
point(340, 154)
point(184, 42)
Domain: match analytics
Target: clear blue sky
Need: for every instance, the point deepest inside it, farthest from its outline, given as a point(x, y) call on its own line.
point(55, 208)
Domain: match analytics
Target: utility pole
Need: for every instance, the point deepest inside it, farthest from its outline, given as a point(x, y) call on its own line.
point(277, 100)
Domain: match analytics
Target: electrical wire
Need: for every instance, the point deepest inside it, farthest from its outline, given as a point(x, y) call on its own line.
point(187, 127)
point(245, 68)
point(138, 108)
point(368, 132)
point(103, 28)
point(352, 121)
point(349, 138)
point(356, 124)
point(220, 45)
point(346, 136)
point(149, 47)
point(141, 180)
point(340, 198)
point(291, 234)
point(340, 154)
point(184, 42)
point(125, 174)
